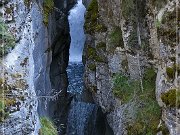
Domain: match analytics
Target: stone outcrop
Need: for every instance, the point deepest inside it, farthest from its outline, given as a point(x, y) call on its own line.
point(35, 70)
point(128, 37)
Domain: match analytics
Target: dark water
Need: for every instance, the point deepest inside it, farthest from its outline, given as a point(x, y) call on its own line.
point(75, 77)
point(83, 118)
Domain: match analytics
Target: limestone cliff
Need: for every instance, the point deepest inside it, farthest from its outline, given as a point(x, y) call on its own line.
point(33, 59)
point(131, 59)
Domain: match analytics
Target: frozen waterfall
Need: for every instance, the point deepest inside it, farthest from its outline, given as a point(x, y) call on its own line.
point(76, 23)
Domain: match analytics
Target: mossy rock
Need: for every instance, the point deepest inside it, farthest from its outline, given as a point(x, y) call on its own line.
point(150, 75)
point(47, 127)
point(167, 30)
point(116, 39)
point(48, 6)
point(92, 54)
point(101, 45)
point(171, 98)
point(123, 87)
point(158, 3)
point(147, 111)
point(9, 10)
point(93, 89)
point(27, 3)
point(92, 67)
point(128, 8)
point(92, 24)
point(3, 112)
point(124, 65)
point(171, 71)
point(133, 40)
point(7, 41)
point(163, 128)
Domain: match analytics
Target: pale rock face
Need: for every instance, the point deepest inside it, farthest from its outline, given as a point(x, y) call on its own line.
point(19, 67)
point(28, 65)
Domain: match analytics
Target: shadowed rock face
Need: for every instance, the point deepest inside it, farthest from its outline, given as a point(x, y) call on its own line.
point(58, 108)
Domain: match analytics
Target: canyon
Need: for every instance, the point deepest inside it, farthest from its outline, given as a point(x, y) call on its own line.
point(91, 67)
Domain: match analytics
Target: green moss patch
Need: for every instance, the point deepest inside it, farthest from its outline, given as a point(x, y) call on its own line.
point(171, 98)
point(128, 8)
point(167, 30)
point(3, 113)
point(48, 6)
point(47, 127)
point(91, 21)
point(92, 54)
point(92, 67)
point(116, 39)
point(27, 3)
point(8, 100)
point(147, 111)
point(171, 71)
point(7, 41)
point(101, 45)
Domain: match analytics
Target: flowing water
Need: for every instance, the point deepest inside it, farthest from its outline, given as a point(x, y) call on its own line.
point(82, 116)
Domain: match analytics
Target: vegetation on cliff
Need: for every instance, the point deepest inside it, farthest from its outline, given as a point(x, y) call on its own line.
point(171, 98)
point(116, 39)
point(27, 2)
point(3, 113)
point(92, 54)
point(47, 127)
point(11, 94)
point(147, 112)
point(7, 41)
point(48, 6)
point(167, 28)
point(91, 21)
point(5, 102)
point(171, 71)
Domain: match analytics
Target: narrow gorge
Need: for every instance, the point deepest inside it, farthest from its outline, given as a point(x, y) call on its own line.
point(89, 67)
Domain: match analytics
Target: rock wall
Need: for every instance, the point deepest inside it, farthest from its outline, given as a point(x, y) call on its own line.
point(33, 71)
point(127, 38)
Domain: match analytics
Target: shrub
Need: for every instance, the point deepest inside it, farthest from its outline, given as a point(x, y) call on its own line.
point(7, 41)
point(48, 6)
point(47, 127)
point(171, 98)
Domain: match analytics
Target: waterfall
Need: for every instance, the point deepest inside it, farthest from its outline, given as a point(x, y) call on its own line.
point(82, 116)
point(76, 23)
